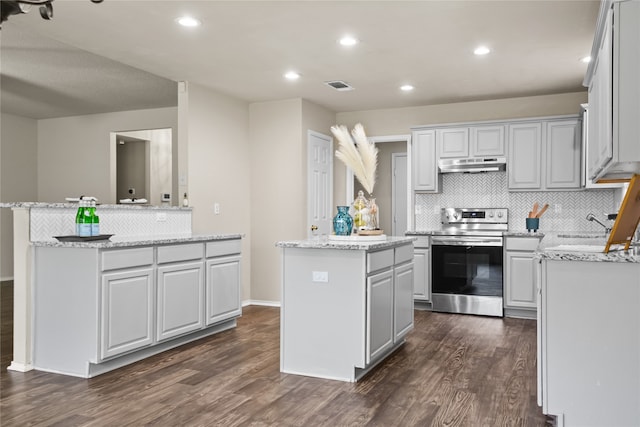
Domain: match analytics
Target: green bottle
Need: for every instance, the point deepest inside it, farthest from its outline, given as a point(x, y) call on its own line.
point(79, 216)
point(95, 220)
point(85, 221)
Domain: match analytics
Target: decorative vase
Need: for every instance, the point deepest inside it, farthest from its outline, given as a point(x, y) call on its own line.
point(373, 214)
point(360, 212)
point(342, 222)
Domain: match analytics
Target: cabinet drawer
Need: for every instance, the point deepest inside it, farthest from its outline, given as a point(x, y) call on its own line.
point(176, 253)
point(422, 242)
point(379, 260)
point(223, 247)
point(522, 244)
point(403, 254)
point(125, 258)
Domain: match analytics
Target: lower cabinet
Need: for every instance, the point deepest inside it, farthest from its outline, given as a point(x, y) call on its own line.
point(222, 290)
point(97, 309)
point(179, 299)
point(422, 270)
point(127, 311)
point(403, 301)
point(379, 314)
point(520, 290)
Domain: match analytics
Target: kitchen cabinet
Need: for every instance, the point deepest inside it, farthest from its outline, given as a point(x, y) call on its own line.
point(520, 290)
point(453, 142)
point(589, 340)
point(223, 290)
point(487, 141)
point(127, 311)
point(557, 142)
point(98, 308)
point(344, 307)
point(614, 94)
point(426, 178)
point(422, 270)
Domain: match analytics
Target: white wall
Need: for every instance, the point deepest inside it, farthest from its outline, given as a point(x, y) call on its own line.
point(217, 146)
point(18, 178)
point(278, 132)
point(74, 152)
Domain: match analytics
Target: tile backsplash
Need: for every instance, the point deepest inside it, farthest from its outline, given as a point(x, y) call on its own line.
point(567, 209)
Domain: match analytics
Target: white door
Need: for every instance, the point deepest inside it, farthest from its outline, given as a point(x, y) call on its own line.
point(399, 196)
point(319, 184)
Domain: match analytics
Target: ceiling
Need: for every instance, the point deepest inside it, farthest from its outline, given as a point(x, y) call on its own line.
point(124, 55)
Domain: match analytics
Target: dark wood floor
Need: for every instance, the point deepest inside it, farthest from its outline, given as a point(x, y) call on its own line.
point(454, 370)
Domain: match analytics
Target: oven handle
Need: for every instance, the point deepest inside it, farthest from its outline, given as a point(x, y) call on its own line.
point(466, 241)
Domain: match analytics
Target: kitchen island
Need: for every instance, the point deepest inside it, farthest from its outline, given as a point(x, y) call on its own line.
point(104, 304)
point(589, 335)
point(346, 305)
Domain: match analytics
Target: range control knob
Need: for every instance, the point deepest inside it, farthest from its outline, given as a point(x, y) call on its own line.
point(456, 215)
point(499, 214)
point(490, 214)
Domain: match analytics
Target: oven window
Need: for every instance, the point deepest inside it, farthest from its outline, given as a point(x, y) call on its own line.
point(467, 270)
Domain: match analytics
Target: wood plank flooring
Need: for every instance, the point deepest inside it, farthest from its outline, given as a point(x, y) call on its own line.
point(454, 370)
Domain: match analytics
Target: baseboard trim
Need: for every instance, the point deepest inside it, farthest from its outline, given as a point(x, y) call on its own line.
point(19, 367)
point(261, 302)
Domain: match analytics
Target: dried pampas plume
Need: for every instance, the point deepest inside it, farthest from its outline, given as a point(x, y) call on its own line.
point(361, 156)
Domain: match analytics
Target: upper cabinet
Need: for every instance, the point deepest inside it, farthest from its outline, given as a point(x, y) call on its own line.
point(470, 141)
point(425, 165)
point(557, 142)
point(613, 140)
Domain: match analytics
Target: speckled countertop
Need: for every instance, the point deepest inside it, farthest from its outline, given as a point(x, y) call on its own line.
point(358, 245)
point(506, 233)
point(115, 242)
point(75, 206)
point(576, 246)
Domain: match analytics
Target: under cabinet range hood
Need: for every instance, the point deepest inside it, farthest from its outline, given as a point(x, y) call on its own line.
point(473, 165)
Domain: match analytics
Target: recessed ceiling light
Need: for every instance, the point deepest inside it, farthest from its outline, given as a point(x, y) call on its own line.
point(188, 21)
point(292, 75)
point(481, 50)
point(406, 88)
point(585, 59)
point(348, 41)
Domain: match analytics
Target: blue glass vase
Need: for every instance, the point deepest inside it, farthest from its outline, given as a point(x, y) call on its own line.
point(342, 222)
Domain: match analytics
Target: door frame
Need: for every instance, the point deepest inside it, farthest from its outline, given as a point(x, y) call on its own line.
point(394, 157)
point(387, 138)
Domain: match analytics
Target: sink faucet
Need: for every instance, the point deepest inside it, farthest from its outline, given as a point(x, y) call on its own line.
point(592, 217)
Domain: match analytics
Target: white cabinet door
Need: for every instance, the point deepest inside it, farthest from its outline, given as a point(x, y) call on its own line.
point(180, 299)
point(563, 154)
point(425, 166)
point(525, 153)
point(222, 289)
point(453, 142)
point(379, 314)
point(487, 141)
point(422, 274)
point(127, 311)
point(520, 285)
point(403, 300)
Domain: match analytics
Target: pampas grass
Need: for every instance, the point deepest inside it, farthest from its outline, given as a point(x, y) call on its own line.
point(362, 159)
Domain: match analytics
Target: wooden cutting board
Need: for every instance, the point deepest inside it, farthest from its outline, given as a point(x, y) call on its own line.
point(628, 216)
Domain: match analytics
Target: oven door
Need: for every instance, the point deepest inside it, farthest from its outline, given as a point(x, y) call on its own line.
point(466, 274)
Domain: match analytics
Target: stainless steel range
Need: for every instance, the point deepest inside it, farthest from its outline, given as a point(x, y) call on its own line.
point(466, 263)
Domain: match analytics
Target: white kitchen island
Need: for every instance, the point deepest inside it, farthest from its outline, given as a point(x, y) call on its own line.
point(101, 305)
point(346, 305)
point(589, 336)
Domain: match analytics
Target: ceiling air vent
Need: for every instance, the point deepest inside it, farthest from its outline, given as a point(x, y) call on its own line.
point(339, 85)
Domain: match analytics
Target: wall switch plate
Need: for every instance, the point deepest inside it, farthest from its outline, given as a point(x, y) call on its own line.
point(161, 216)
point(320, 276)
point(216, 208)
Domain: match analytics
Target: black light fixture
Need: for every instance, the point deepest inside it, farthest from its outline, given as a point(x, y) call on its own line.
point(16, 7)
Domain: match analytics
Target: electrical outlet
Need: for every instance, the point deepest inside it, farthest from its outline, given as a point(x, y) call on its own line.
point(216, 208)
point(320, 276)
point(557, 208)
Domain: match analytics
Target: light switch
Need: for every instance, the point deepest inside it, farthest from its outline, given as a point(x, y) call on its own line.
point(320, 276)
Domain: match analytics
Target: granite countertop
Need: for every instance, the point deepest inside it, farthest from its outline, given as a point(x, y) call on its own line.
point(420, 233)
point(44, 205)
point(359, 245)
point(578, 246)
point(129, 241)
point(537, 234)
